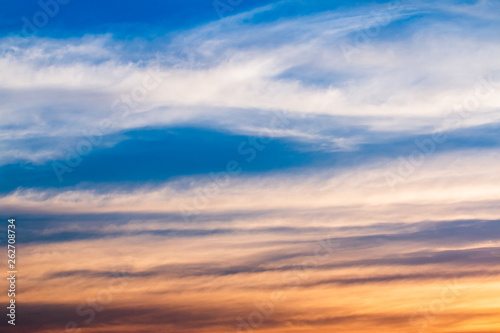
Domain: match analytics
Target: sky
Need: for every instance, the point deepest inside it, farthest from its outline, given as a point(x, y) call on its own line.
point(252, 166)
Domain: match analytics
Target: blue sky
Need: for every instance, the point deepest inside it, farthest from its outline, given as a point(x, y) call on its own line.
point(207, 147)
point(141, 95)
point(148, 155)
point(152, 18)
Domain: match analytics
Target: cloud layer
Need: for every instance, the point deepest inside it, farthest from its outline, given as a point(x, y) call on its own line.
point(288, 167)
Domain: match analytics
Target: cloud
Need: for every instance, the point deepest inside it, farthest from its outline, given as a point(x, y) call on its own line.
point(65, 87)
point(353, 211)
point(442, 184)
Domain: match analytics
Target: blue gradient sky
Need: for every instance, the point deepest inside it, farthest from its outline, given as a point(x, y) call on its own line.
point(204, 149)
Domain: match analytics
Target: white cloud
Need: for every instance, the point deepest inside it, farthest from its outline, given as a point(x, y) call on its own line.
point(445, 187)
point(64, 87)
